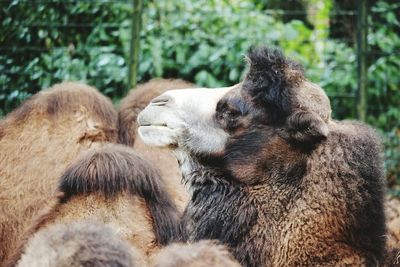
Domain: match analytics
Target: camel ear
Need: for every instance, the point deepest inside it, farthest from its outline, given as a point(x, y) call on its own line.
point(306, 127)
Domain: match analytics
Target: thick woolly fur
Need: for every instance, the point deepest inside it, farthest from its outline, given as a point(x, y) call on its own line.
point(113, 185)
point(79, 244)
point(205, 253)
point(392, 208)
point(291, 186)
point(304, 191)
point(129, 108)
point(37, 142)
point(115, 169)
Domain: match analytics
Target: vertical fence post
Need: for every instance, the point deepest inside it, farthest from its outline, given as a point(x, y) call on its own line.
point(362, 31)
point(135, 43)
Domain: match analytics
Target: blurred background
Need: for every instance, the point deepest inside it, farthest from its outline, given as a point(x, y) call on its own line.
point(350, 48)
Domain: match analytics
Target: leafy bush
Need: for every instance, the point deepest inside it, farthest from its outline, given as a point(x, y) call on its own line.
point(47, 42)
point(384, 81)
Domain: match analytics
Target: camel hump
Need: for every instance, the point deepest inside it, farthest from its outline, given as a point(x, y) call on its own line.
point(65, 103)
point(37, 142)
point(78, 244)
point(114, 169)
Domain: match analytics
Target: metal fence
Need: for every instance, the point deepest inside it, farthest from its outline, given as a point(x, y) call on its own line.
point(13, 55)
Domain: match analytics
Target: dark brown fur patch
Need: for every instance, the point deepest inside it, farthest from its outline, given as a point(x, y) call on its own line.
point(137, 100)
point(115, 168)
point(269, 81)
point(275, 202)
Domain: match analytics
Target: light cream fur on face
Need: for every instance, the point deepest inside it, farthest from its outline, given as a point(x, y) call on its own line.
point(167, 117)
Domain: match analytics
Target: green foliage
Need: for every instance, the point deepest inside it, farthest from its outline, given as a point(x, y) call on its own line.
point(384, 83)
point(206, 42)
point(384, 91)
point(203, 41)
point(45, 42)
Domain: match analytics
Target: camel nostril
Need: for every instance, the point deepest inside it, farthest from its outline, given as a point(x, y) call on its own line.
point(161, 100)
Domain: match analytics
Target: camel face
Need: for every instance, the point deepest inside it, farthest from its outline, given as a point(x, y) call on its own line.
point(232, 131)
point(274, 98)
point(184, 116)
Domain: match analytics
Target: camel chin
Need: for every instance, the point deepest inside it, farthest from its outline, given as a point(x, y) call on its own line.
point(158, 136)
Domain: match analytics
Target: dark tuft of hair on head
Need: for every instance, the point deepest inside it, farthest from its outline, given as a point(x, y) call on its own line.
point(269, 79)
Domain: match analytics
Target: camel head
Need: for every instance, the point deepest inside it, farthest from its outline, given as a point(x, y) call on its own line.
point(228, 124)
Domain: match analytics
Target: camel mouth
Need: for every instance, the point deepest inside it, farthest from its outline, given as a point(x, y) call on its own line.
point(159, 125)
point(154, 125)
point(158, 135)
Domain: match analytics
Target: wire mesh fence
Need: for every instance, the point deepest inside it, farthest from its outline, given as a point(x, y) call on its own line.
point(350, 48)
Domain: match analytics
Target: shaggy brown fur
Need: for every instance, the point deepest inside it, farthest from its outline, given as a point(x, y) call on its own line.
point(115, 169)
point(130, 107)
point(38, 140)
point(392, 209)
point(205, 253)
point(284, 184)
point(294, 219)
point(113, 185)
point(294, 187)
point(79, 244)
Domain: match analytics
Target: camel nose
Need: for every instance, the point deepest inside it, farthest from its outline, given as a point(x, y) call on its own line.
point(161, 100)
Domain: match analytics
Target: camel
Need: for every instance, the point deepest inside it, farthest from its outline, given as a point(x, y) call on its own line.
point(271, 174)
point(37, 142)
point(82, 243)
point(129, 108)
point(112, 184)
point(51, 129)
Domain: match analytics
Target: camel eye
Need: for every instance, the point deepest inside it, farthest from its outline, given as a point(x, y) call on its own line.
point(230, 114)
point(224, 111)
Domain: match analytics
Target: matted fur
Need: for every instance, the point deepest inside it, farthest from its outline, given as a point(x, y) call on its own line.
point(392, 209)
point(113, 185)
point(129, 109)
point(286, 185)
point(79, 244)
point(292, 187)
point(204, 253)
point(37, 142)
point(115, 169)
